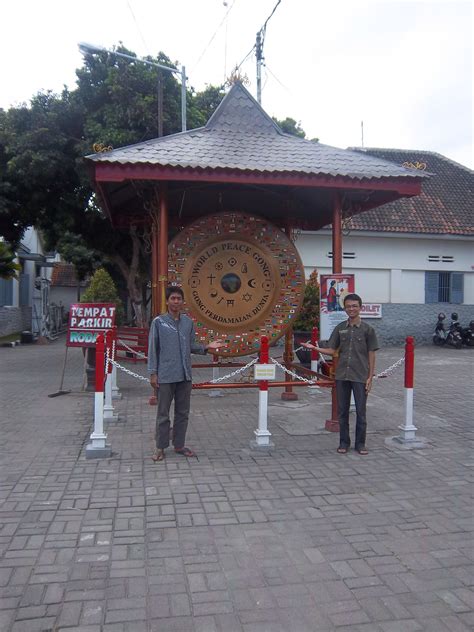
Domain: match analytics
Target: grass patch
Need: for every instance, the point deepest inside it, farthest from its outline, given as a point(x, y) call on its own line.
point(10, 337)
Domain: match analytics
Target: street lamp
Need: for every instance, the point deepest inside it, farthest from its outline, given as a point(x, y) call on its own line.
point(91, 49)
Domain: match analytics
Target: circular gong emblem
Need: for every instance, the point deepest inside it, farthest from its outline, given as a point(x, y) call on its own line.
point(232, 283)
point(242, 279)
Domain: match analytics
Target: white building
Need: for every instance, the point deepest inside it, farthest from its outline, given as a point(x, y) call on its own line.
point(414, 256)
point(23, 301)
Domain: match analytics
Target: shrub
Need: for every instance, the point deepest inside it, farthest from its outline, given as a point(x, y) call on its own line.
point(102, 289)
point(308, 316)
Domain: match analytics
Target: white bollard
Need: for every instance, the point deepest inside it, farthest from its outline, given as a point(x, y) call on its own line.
point(109, 410)
point(262, 435)
point(98, 447)
point(116, 394)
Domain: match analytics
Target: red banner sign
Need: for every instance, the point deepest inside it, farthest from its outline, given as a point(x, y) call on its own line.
point(87, 321)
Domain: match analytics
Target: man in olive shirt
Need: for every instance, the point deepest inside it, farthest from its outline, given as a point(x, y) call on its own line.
point(356, 343)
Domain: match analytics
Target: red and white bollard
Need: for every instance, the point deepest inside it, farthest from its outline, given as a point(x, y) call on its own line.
point(98, 448)
point(109, 411)
point(116, 394)
point(262, 435)
point(314, 353)
point(408, 430)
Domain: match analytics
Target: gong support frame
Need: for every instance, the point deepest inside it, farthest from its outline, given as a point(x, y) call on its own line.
point(160, 256)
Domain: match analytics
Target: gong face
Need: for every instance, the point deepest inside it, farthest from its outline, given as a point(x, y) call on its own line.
point(231, 283)
point(242, 279)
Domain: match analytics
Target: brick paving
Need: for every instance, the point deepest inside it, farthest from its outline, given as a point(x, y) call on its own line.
point(297, 540)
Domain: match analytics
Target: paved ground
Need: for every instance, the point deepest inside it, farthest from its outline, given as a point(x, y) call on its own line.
point(298, 540)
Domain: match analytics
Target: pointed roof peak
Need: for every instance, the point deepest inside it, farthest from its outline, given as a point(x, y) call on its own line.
point(238, 110)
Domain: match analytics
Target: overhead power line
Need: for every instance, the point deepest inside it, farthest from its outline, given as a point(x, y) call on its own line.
point(214, 35)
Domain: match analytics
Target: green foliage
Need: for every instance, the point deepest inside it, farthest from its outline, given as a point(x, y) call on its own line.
point(8, 267)
point(74, 250)
point(102, 289)
point(44, 180)
point(308, 317)
point(290, 126)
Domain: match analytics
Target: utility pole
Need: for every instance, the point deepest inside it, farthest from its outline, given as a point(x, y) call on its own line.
point(259, 55)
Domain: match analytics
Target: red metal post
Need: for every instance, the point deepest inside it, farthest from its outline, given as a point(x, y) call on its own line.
point(409, 361)
point(263, 359)
point(99, 364)
point(332, 425)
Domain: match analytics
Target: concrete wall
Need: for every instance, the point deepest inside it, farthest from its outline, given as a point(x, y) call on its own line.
point(13, 319)
point(64, 295)
point(400, 320)
point(391, 269)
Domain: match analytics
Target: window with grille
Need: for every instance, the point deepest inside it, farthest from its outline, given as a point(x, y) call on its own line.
point(444, 287)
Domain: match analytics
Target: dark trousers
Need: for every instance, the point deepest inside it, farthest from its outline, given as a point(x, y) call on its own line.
point(181, 393)
point(343, 393)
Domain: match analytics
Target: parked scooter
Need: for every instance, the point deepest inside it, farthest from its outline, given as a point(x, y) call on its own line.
point(451, 337)
point(467, 333)
point(440, 333)
point(454, 337)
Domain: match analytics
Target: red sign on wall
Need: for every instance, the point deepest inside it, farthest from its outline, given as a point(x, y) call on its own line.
point(87, 321)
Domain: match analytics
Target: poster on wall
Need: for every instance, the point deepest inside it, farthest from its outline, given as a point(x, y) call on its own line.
point(87, 321)
point(334, 288)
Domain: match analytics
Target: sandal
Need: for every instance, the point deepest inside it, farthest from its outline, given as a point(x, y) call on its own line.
point(341, 450)
point(158, 455)
point(363, 451)
point(185, 452)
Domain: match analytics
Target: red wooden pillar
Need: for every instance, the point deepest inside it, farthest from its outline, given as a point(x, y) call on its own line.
point(332, 425)
point(163, 248)
point(154, 267)
point(288, 395)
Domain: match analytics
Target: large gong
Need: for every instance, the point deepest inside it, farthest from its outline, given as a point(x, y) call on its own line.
point(242, 279)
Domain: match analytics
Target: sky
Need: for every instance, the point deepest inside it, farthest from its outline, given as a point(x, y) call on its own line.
point(403, 67)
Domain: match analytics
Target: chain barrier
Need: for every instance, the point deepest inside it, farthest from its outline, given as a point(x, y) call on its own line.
point(225, 377)
point(390, 369)
point(215, 381)
point(386, 373)
point(292, 373)
point(138, 353)
point(125, 370)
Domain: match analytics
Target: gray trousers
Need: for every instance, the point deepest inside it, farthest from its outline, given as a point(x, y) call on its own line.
point(181, 393)
point(343, 393)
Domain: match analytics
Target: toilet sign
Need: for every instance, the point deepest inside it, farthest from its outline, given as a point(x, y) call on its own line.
point(87, 321)
point(371, 310)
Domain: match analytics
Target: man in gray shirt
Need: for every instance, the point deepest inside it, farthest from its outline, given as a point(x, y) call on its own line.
point(171, 342)
point(356, 343)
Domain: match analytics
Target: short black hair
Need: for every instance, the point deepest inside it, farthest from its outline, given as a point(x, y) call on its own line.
point(174, 289)
point(352, 297)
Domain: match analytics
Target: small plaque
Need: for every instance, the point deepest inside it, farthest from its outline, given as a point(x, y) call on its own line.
point(265, 372)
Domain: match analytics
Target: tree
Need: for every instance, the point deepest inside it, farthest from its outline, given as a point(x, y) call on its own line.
point(308, 316)
point(290, 126)
point(8, 267)
point(44, 180)
point(102, 290)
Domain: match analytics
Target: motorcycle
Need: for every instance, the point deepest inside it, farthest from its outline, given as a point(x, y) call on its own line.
point(467, 334)
point(454, 337)
point(440, 333)
point(451, 337)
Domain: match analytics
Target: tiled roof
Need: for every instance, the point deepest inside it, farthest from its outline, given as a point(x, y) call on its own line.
point(241, 136)
point(445, 206)
point(64, 275)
